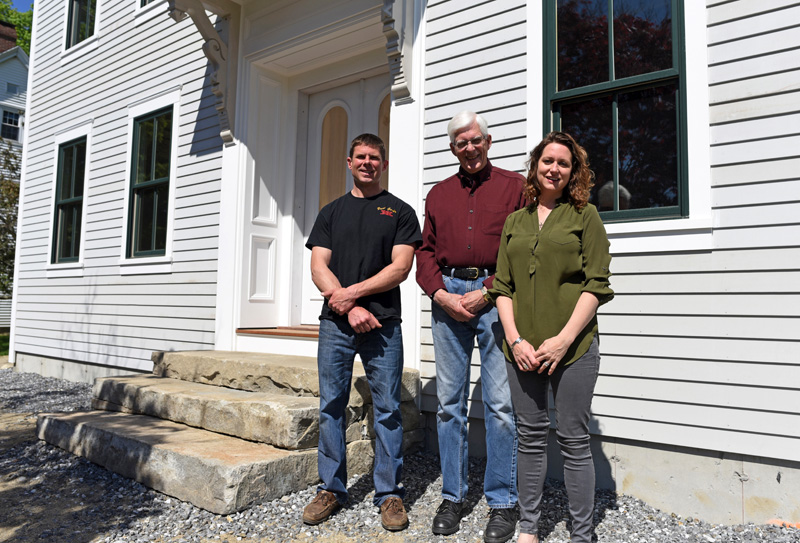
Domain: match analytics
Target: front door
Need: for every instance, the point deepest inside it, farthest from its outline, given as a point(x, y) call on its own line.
point(335, 117)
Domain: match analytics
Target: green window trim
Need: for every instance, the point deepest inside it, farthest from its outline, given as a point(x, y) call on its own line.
point(150, 184)
point(80, 21)
point(70, 180)
point(655, 84)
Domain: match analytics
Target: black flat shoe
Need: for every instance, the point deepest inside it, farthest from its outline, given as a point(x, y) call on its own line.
point(501, 526)
point(448, 518)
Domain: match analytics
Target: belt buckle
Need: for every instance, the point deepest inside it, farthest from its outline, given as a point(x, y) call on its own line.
point(473, 273)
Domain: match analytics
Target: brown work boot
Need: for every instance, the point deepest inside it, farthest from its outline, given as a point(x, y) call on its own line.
point(321, 507)
point(393, 514)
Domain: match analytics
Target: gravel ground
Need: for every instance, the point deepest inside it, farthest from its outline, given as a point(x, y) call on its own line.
point(49, 495)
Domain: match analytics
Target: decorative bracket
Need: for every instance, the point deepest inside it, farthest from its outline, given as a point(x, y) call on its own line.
point(222, 56)
point(394, 18)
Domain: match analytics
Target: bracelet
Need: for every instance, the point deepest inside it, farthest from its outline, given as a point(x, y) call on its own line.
point(516, 342)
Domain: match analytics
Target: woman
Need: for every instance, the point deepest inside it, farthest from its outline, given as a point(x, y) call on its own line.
point(552, 274)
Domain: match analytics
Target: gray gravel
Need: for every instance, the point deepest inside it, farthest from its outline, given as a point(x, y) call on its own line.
point(109, 508)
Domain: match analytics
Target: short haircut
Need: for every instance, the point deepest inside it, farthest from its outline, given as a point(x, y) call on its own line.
point(463, 120)
point(370, 140)
point(581, 178)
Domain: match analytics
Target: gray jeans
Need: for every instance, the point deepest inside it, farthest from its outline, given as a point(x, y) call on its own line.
point(573, 387)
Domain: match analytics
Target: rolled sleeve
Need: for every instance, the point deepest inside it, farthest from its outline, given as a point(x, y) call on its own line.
point(503, 282)
point(596, 257)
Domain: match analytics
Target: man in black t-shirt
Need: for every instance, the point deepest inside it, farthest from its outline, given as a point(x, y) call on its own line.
point(362, 248)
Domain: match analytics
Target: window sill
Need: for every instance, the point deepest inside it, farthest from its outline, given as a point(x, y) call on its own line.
point(80, 49)
point(68, 269)
point(150, 11)
point(672, 235)
point(145, 266)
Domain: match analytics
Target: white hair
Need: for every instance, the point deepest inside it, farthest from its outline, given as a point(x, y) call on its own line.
point(463, 120)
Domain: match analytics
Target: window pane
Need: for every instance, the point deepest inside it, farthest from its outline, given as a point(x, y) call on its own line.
point(69, 232)
point(163, 145)
point(80, 169)
point(648, 143)
point(67, 179)
point(642, 37)
point(10, 132)
point(144, 159)
point(162, 193)
point(144, 220)
point(582, 36)
point(590, 123)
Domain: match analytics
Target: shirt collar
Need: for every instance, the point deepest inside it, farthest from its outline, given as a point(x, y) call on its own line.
point(474, 180)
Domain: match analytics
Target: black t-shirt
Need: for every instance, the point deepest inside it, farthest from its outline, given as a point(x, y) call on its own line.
point(361, 233)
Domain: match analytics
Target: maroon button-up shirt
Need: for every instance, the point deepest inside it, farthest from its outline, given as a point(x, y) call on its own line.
point(464, 217)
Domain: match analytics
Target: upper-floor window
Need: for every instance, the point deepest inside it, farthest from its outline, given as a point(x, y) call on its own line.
point(80, 21)
point(69, 200)
point(150, 172)
point(143, 3)
point(12, 88)
point(10, 126)
point(615, 81)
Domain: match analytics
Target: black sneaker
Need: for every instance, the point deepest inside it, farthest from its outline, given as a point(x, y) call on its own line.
point(501, 526)
point(448, 518)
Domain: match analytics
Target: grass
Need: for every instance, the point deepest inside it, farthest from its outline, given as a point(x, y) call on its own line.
point(4, 338)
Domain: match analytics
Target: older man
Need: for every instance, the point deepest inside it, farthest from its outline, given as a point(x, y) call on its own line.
point(464, 217)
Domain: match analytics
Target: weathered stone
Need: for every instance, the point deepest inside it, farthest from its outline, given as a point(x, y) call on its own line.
point(291, 375)
point(289, 422)
point(219, 473)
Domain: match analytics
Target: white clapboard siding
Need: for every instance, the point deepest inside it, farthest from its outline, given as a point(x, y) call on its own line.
point(97, 315)
point(475, 58)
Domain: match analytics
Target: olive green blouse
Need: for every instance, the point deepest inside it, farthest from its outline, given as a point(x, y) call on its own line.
point(544, 273)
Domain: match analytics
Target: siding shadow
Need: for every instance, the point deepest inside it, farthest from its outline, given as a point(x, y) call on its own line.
point(205, 127)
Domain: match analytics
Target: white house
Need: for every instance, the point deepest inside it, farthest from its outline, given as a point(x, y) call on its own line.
point(13, 95)
point(173, 168)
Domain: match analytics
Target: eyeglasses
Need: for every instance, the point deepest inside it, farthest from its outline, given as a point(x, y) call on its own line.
point(462, 144)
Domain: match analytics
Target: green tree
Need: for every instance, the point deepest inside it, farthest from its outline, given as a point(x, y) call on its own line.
point(9, 201)
point(21, 20)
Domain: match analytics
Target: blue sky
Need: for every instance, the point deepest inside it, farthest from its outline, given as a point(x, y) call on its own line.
point(22, 5)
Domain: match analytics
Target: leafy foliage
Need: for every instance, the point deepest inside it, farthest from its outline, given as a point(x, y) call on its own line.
point(22, 20)
point(9, 200)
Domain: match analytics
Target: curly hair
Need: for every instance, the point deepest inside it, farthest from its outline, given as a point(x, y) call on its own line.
point(581, 179)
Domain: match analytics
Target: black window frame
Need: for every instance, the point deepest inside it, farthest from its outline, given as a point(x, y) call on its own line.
point(554, 99)
point(149, 186)
point(10, 130)
point(69, 208)
point(80, 24)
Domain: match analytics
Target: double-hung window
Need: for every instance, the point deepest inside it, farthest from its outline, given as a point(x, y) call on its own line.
point(10, 127)
point(615, 80)
point(150, 173)
point(80, 20)
point(69, 201)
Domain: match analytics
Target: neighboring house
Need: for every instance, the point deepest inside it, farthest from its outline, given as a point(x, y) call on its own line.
point(13, 88)
point(172, 172)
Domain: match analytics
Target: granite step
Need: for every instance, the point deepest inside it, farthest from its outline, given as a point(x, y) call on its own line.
point(260, 372)
point(289, 422)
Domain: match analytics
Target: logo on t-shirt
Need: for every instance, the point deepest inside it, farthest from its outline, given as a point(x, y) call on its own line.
point(387, 211)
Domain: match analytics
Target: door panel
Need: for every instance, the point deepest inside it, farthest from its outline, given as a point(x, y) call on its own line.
point(350, 109)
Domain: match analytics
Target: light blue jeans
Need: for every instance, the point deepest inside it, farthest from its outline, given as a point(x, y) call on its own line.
point(453, 342)
point(381, 352)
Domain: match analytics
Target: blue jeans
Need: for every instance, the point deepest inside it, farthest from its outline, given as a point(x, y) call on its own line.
point(452, 343)
point(381, 352)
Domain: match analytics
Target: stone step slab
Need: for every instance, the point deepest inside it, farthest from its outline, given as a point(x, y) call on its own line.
point(219, 473)
point(261, 372)
point(289, 422)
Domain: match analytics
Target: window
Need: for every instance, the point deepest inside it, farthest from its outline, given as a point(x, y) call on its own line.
point(143, 3)
point(69, 200)
point(80, 23)
point(616, 84)
point(150, 170)
point(10, 127)
point(12, 88)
